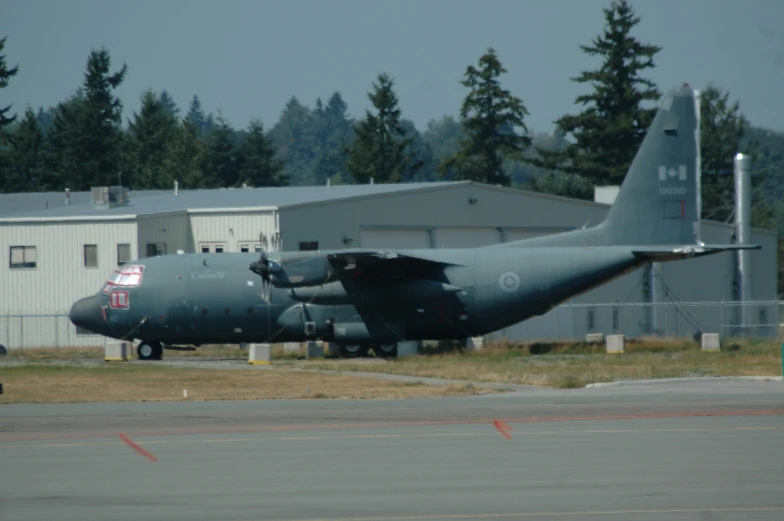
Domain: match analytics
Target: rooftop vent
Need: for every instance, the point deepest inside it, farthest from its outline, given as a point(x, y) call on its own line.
point(110, 196)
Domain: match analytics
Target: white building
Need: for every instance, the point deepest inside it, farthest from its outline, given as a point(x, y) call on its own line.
point(53, 253)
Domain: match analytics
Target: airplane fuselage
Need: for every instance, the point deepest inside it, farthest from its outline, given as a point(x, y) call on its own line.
point(214, 298)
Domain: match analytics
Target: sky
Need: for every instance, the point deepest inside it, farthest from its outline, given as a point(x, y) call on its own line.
point(247, 58)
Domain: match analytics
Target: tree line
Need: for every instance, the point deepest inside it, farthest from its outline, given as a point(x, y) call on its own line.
point(83, 141)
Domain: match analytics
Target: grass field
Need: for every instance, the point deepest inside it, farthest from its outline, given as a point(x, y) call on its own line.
point(117, 382)
point(79, 375)
point(576, 365)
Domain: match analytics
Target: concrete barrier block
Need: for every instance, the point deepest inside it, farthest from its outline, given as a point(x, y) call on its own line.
point(315, 349)
point(616, 344)
point(259, 354)
point(475, 342)
point(118, 351)
point(292, 347)
point(408, 348)
point(710, 342)
point(594, 338)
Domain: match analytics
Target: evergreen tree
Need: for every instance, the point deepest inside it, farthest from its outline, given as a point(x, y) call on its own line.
point(443, 136)
point(196, 116)
point(25, 153)
point(169, 103)
point(151, 132)
point(86, 142)
point(260, 166)
point(333, 137)
point(610, 130)
point(222, 157)
point(185, 156)
point(489, 117)
point(379, 148)
point(5, 75)
point(292, 137)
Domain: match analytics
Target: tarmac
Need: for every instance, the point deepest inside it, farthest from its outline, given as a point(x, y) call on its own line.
point(690, 449)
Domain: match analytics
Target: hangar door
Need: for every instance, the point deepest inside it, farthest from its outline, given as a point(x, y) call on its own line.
point(519, 235)
point(396, 238)
point(468, 237)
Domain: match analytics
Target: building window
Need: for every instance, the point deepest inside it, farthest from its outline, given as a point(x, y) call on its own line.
point(308, 246)
point(90, 255)
point(591, 320)
point(23, 257)
point(156, 250)
point(212, 247)
point(244, 248)
point(123, 254)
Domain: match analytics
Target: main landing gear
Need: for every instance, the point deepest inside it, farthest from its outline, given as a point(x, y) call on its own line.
point(149, 350)
point(361, 350)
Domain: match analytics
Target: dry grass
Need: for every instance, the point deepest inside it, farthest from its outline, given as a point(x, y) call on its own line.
point(229, 351)
point(41, 383)
point(575, 365)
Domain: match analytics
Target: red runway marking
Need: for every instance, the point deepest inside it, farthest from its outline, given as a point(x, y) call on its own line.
point(138, 449)
point(503, 428)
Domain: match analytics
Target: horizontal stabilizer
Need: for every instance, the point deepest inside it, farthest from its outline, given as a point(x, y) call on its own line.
point(660, 254)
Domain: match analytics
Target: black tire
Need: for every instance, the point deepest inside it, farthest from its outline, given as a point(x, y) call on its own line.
point(353, 350)
point(149, 351)
point(3, 350)
point(385, 350)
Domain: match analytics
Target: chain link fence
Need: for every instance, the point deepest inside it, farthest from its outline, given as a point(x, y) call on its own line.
point(669, 319)
point(45, 330)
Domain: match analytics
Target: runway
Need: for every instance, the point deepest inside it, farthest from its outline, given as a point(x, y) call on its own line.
point(707, 450)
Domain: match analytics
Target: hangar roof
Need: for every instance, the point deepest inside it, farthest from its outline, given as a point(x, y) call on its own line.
point(165, 201)
point(42, 201)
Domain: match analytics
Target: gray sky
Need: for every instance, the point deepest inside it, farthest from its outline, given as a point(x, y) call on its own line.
point(248, 57)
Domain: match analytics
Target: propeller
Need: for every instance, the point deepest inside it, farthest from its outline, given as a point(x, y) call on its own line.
point(264, 268)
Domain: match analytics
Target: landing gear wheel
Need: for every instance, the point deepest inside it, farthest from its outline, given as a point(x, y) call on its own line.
point(353, 351)
point(150, 351)
point(385, 350)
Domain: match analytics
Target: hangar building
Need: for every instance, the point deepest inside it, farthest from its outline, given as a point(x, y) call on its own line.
point(56, 249)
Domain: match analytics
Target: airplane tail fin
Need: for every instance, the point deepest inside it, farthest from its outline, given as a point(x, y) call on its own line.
point(659, 200)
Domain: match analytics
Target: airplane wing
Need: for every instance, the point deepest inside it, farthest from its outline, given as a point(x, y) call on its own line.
point(387, 263)
point(659, 253)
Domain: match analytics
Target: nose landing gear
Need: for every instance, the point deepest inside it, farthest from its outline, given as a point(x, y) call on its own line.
point(148, 350)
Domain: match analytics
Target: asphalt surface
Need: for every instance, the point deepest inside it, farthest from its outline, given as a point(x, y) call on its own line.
point(678, 450)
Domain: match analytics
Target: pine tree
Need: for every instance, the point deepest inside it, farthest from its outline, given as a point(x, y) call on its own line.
point(260, 166)
point(184, 156)
point(611, 128)
point(5, 75)
point(721, 130)
point(25, 155)
point(151, 132)
point(378, 151)
point(292, 137)
point(86, 142)
point(222, 157)
point(489, 117)
point(169, 103)
point(196, 116)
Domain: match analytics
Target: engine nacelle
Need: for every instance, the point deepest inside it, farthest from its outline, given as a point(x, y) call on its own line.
point(307, 272)
point(358, 333)
point(335, 293)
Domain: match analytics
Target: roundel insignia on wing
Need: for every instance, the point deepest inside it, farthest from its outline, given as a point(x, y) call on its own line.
point(509, 281)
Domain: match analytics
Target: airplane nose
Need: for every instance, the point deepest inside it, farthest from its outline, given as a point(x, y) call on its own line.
point(86, 313)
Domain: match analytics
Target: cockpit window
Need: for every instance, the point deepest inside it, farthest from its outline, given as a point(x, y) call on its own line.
point(127, 276)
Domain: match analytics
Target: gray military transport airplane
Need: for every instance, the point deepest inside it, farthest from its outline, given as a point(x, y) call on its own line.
point(363, 299)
